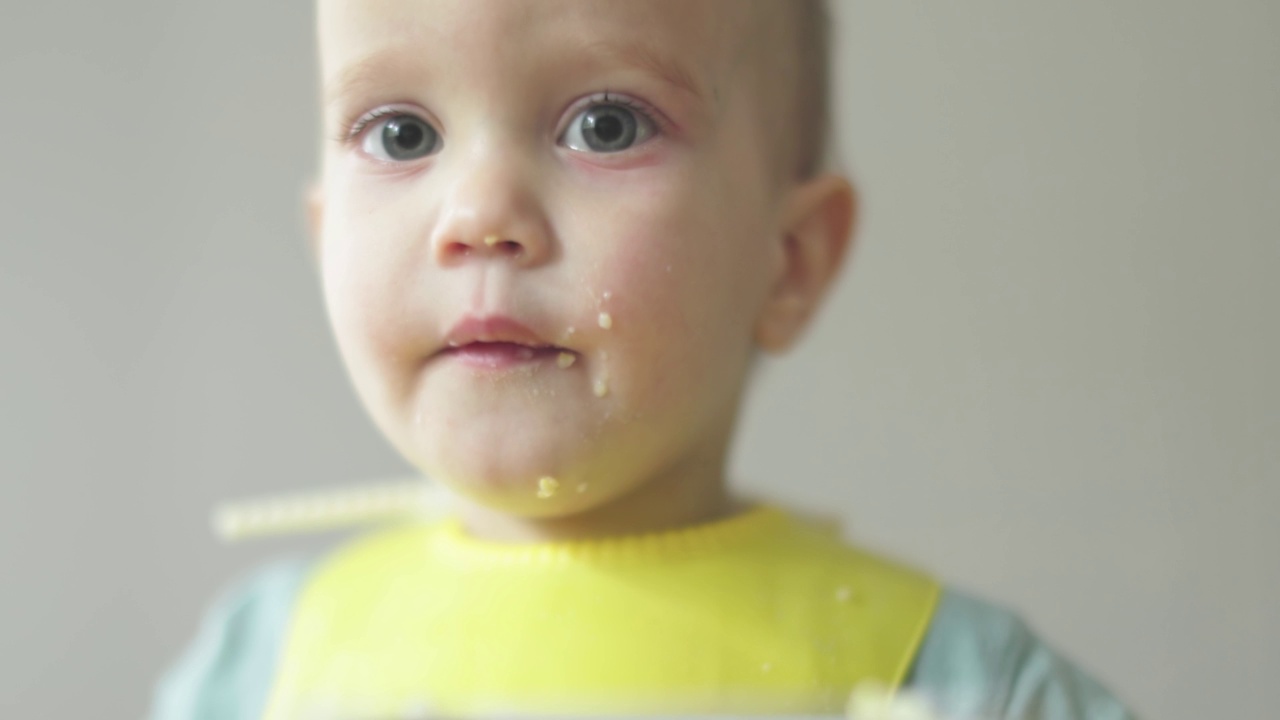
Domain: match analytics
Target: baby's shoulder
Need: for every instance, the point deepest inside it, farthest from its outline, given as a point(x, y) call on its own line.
point(225, 671)
point(979, 659)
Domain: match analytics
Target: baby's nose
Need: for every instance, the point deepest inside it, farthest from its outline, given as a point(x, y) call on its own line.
point(493, 211)
point(489, 245)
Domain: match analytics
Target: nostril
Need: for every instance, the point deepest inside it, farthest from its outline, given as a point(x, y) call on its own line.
point(455, 250)
point(459, 248)
point(506, 247)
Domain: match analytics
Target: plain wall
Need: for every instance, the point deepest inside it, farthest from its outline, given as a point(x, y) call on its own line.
point(1048, 375)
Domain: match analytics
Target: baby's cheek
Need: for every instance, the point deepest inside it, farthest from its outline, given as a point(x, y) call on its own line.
point(646, 282)
point(663, 308)
point(369, 324)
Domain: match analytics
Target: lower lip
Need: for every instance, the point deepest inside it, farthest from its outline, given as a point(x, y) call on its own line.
point(500, 355)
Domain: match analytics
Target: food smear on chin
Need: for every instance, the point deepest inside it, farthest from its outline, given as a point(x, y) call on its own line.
point(547, 487)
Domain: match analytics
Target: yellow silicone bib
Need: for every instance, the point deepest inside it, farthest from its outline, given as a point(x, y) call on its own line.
point(759, 614)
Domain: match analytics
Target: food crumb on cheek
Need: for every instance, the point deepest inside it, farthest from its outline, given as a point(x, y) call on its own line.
point(606, 320)
point(601, 388)
point(547, 487)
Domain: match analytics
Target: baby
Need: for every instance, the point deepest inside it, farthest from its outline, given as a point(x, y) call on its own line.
point(553, 236)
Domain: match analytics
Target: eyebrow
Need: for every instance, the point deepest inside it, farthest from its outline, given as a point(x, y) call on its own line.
point(385, 63)
point(380, 65)
point(649, 60)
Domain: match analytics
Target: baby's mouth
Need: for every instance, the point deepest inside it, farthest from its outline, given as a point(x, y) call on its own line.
point(502, 355)
point(496, 342)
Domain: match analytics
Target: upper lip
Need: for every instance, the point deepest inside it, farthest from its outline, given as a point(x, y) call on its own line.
point(492, 329)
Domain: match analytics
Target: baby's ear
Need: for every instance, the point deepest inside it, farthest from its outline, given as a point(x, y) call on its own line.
point(314, 208)
point(816, 233)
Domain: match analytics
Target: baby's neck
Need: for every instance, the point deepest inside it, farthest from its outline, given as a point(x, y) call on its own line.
point(668, 503)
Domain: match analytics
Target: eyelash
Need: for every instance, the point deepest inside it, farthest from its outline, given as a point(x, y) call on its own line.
point(639, 108)
point(358, 124)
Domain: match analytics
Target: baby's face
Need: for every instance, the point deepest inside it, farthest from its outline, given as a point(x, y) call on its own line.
point(546, 231)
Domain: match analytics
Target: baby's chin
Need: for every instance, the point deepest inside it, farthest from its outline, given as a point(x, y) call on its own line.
point(563, 502)
point(532, 496)
point(539, 473)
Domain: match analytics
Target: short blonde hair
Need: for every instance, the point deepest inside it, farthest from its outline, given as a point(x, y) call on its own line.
point(789, 44)
point(811, 24)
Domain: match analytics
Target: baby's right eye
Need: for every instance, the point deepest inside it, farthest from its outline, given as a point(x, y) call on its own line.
point(400, 137)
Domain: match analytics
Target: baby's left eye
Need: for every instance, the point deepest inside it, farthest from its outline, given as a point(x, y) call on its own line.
point(607, 128)
point(401, 137)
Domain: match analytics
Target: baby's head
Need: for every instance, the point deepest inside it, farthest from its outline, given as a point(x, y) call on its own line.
point(552, 236)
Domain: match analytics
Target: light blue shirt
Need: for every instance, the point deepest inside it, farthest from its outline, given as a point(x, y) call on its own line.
point(977, 662)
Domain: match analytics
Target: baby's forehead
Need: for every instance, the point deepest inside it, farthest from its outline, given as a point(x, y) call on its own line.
point(690, 41)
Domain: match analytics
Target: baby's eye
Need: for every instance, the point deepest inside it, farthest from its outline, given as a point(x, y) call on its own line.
point(400, 138)
point(607, 128)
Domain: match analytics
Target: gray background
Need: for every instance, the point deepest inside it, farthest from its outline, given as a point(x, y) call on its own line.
point(1048, 376)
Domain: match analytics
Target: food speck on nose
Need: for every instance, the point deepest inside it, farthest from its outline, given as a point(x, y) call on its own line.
point(606, 320)
point(547, 486)
point(491, 240)
point(565, 359)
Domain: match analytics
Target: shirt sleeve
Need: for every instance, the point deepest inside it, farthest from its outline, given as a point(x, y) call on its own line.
point(981, 662)
point(225, 673)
